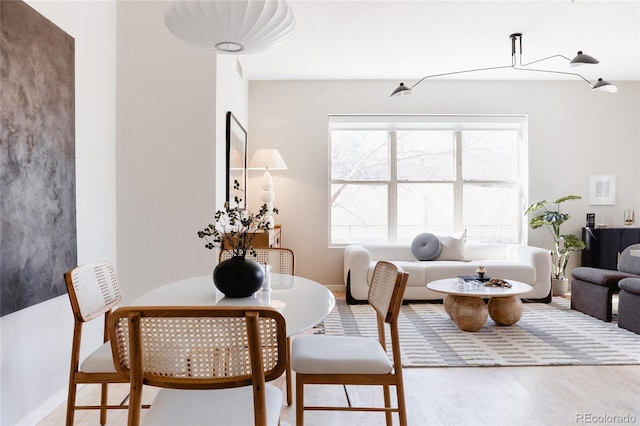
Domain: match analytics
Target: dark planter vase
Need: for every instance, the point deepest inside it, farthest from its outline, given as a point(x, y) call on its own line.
point(238, 277)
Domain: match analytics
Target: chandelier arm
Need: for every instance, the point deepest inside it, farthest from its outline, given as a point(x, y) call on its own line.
point(554, 72)
point(517, 64)
point(543, 59)
point(460, 72)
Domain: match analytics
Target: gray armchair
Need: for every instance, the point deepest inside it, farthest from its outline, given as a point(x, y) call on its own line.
point(629, 304)
point(592, 289)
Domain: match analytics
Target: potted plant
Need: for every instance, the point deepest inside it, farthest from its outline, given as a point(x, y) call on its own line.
point(238, 276)
point(565, 244)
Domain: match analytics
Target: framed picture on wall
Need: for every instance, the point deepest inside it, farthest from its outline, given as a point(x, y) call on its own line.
point(236, 162)
point(602, 190)
point(39, 239)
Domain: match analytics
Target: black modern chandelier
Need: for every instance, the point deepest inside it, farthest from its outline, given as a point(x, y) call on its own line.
point(518, 65)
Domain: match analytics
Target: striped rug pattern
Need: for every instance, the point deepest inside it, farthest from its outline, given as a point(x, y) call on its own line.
point(547, 334)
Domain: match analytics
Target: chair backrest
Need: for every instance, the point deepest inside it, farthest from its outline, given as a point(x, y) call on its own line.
point(93, 290)
point(628, 263)
point(198, 348)
point(387, 289)
point(280, 259)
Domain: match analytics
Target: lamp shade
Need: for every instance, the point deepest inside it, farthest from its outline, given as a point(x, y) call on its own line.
point(230, 26)
point(583, 58)
point(604, 86)
point(401, 91)
point(267, 159)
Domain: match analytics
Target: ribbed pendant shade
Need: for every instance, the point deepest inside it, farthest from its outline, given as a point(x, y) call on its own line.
point(230, 26)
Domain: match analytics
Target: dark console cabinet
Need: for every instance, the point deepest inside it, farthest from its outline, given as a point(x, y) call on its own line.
point(604, 245)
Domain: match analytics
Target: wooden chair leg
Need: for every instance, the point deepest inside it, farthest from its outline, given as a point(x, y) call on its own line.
point(71, 403)
point(288, 373)
point(387, 404)
point(104, 400)
point(402, 409)
point(299, 401)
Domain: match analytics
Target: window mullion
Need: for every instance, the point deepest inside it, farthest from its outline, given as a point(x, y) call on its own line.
point(393, 187)
point(458, 185)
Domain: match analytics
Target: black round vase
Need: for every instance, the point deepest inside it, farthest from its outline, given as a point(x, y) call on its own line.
point(238, 277)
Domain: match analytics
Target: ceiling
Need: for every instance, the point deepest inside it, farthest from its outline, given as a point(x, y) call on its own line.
point(406, 40)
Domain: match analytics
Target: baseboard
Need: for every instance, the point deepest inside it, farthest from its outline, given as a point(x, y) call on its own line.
point(336, 288)
point(51, 404)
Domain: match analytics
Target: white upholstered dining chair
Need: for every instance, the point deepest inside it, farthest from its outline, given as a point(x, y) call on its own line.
point(354, 360)
point(212, 363)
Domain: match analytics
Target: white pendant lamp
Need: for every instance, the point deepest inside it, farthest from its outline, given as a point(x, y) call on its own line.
point(230, 26)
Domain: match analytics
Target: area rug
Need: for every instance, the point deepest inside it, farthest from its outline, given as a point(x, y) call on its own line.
point(547, 334)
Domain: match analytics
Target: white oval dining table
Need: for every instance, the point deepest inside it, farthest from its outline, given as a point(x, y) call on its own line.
point(303, 302)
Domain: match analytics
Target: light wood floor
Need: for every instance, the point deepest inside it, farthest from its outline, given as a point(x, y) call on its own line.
point(460, 396)
point(563, 395)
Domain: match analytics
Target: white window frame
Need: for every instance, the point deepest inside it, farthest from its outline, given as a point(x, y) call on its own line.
point(456, 123)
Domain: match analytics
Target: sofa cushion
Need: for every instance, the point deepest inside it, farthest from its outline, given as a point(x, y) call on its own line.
point(421, 273)
point(632, 285)
point(495, 269)
point(426, 246)
point(628, 263)
point(453, 247)
point(415, 269)
point(605, 277)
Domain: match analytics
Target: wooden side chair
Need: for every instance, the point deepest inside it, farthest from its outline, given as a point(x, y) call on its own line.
point(282, 261)
point(213, 363)
point(351, 360)
point(93, 291)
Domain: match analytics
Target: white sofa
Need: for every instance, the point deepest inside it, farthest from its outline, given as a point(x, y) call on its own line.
point(531, 265)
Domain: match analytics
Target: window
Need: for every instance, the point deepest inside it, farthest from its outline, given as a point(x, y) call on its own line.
point(393, 177)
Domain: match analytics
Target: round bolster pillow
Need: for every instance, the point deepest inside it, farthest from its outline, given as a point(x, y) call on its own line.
point(426, 247)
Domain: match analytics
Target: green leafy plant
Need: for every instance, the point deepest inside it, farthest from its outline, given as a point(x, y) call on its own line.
point(565, 244)
point(236, 227)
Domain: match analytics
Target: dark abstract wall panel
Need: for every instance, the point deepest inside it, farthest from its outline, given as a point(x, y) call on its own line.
point(37, 157)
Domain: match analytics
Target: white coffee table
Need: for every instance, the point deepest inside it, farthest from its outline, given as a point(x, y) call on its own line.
point(465, 305)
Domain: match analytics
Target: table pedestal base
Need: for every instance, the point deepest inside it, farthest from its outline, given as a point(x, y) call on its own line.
point(448, 301)
point(505, 310)
point(469, 313)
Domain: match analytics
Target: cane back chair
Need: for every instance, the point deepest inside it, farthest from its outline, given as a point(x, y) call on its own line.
point(93, 291)
point(353, 360)
point(212, 363)
point(282, 261)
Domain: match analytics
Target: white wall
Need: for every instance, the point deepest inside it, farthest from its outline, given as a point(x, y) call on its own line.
point(573, 133)
point(232, 94)
point(170, 149)
point(167, 168)
point(36, 341)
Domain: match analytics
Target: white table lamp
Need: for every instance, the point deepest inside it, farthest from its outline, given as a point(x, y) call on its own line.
point(267, 159)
